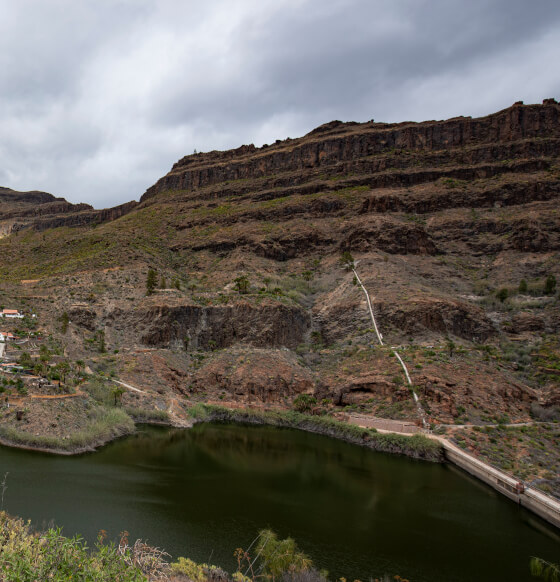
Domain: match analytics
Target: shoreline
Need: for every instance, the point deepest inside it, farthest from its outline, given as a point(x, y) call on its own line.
point(93, 447)
point(417, 447)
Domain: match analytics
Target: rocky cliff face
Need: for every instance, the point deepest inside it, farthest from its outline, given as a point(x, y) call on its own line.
point(445, 219)
point(396, 188)
point(187, 326)
point(520, 131)
point(41, 211)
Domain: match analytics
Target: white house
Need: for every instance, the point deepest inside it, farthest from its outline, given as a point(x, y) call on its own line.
point(6, 336)
point(11, 314)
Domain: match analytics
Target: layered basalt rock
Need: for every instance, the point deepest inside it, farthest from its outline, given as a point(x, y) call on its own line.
point(350, 142)
point(42, 211)
point(271, 324)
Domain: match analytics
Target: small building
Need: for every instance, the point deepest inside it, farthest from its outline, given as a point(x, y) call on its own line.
point(7, 336)
point(11, 367)
point(11, 314)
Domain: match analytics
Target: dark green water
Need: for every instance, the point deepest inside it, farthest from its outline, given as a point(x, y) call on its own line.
point(204, 492)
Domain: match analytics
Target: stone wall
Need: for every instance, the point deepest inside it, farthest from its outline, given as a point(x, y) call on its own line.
point(543, 505)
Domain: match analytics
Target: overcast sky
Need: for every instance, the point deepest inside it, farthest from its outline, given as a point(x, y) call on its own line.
point(99, 98)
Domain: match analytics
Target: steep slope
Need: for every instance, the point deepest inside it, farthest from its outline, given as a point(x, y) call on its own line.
point(254, 304)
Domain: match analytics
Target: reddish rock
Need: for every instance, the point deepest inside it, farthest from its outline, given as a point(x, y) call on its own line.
point(263, 376)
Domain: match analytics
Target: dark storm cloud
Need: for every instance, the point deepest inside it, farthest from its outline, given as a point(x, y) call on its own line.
point(97, 100)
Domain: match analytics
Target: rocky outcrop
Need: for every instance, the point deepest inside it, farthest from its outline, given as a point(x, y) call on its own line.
point(365, 387)
point(9, 196)
point(84, 218)
point(392, 237)
point(194, 327)
point(82, 317)
point(493, 234)
point(524, 321)
point(441, 316)
point(284, 247)
point(414, 317)
point(42, 211)
point(493, 394)
point(259, 375)
point(454, 195)
point(352, 142)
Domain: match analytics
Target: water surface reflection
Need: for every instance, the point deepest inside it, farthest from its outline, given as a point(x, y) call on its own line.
point(204, 492)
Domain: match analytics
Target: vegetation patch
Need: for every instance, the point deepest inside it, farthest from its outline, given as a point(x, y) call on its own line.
point(529, 453)
point(26, 556)
point(29, 556)
point(148, 415)
point(105, 424)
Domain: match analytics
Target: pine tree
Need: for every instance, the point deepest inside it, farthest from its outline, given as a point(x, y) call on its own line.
point(550, 285)
point(151, 282)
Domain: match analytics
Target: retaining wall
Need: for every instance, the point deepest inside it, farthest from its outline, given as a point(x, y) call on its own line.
point(382, 423)
point(543, 505)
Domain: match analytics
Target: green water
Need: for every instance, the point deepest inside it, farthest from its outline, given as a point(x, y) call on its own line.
point(204, 492)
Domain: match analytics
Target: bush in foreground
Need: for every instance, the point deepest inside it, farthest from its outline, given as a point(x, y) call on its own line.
point(27, 557)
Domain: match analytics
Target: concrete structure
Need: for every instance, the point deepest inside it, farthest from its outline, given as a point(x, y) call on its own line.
point(11, 314)
point(384, 424)
point(543, 505)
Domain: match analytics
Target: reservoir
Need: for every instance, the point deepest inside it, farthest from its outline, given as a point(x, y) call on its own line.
point(204, 492)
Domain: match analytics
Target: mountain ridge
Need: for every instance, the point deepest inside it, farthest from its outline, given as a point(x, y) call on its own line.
point(455, 229)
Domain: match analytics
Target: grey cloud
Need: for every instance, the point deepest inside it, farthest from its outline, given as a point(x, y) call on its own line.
point(98, 99)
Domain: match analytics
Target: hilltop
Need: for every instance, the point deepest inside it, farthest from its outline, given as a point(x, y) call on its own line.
point(453, 225)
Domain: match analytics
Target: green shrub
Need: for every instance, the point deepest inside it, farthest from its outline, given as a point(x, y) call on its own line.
point(25, 360)
point(502, 294)
point(304, 402)
point(151, 282)
point(347, 260)
point(64, 321)
point(242, 284)
point(199, 412)
point(280, 556)
point(550, 285)
point(197, 572)
point(545, 570)
point(27, 557)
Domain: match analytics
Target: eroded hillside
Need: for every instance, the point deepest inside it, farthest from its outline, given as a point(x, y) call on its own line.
point(454, 226)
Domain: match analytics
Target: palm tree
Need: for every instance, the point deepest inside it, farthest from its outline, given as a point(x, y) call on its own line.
point(117, 393)
point(63, 369)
